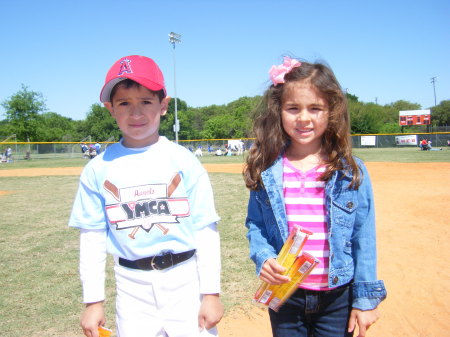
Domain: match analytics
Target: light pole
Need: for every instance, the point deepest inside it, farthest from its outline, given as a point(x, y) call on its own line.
point(433, 81)
point(175, 38)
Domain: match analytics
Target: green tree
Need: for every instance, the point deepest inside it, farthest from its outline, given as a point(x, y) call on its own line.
point(166, 126)
point(22, 111)
point(402, 105)
point(393, 109)
point(440, 114)
point(390, 128)
point(99, 125)
point(189, 124)
point(181, 106)
point(366, 118)
point(217, 127)
point(241, 111)
point(52, 127)
point(215, 121)
point(168, 120)
point(6, 129)
point(351, 98)
point(210, 111)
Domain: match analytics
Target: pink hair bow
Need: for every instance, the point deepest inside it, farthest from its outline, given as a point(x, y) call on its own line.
point(277, 72)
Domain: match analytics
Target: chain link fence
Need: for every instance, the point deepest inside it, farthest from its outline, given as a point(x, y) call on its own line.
point(43, 150)
point(438, 139)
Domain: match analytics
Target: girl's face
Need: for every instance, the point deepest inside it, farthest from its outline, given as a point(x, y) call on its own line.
point(304, 116)
point(137, 112)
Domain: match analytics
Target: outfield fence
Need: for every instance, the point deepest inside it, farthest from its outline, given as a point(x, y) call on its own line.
point(43, 150)
point(438, 139)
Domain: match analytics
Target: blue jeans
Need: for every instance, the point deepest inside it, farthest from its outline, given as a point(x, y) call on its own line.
point(309, 313)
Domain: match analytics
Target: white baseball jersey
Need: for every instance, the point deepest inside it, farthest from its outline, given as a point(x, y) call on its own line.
point(149, 200)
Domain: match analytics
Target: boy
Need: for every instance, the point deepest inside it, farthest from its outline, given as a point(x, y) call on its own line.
point(149, 203)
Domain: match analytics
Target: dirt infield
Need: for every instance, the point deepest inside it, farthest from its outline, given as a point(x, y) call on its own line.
point(413, 228)
point(36, 172)
point(72, 171)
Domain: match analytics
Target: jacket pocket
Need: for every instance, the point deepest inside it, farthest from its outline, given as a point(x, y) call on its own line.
point(344, 210)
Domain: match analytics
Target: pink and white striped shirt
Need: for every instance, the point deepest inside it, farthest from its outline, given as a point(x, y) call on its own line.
point(304, 197)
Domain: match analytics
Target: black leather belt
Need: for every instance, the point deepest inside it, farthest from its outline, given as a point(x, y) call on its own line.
point(157, 262)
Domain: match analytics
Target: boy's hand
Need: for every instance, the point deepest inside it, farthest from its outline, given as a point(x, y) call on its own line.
point(92, 317)
point(364, 319)
point(211, 311)
point(271, 273)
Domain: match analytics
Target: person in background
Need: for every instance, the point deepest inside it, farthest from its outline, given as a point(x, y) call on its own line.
point(98, 147)
point(8, 154)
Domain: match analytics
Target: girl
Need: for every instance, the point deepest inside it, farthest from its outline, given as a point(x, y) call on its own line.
point(300, 172)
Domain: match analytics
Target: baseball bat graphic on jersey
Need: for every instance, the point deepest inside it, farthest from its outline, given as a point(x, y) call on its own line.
point(152, 198)
point(112, 189)
point(174, 182)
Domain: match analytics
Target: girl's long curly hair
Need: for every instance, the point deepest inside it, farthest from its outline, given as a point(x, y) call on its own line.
point(272, 140)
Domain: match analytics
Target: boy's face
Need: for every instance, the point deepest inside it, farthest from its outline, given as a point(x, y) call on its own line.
point(137, 112)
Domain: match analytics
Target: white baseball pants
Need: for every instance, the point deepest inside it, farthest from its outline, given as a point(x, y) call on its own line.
point(159, 303)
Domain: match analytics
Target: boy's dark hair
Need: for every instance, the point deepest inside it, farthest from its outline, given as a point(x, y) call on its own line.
point(127, 84)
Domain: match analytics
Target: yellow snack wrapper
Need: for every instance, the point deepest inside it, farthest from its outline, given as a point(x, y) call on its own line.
point(287, 256)
point(301, 268)
point(104, 332)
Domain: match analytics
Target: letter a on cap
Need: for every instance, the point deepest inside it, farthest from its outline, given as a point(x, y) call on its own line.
point(125, 67)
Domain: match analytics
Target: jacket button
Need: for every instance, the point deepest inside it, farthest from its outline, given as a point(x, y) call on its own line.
point(350, 204)
point(335, 279)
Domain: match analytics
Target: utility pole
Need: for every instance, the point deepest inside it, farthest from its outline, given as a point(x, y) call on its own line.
point(173, 39)
point(433, 81)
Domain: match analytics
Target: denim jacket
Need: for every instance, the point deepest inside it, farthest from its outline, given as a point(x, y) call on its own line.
point(351, 227)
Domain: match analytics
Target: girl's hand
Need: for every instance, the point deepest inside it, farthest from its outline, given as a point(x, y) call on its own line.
point(92, 317)
point(211, 311)
point(271, 273)
point(364, 319)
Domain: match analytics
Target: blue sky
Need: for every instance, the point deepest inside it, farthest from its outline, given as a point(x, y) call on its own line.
point(381, 51)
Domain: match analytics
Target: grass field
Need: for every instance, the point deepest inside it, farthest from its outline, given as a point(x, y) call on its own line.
point(403, 155)
point(40, 290)
point(39, 254)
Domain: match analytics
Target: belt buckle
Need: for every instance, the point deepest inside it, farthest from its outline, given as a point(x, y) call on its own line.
point(158, 262)
point(153, 263)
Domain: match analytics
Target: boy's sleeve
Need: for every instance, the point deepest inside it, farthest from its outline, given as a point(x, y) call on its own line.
point(92, 264)
point(201, 200)
point(208, 259)
point(88, 209)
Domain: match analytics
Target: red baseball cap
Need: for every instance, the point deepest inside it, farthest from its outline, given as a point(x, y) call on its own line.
point(140, 69)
